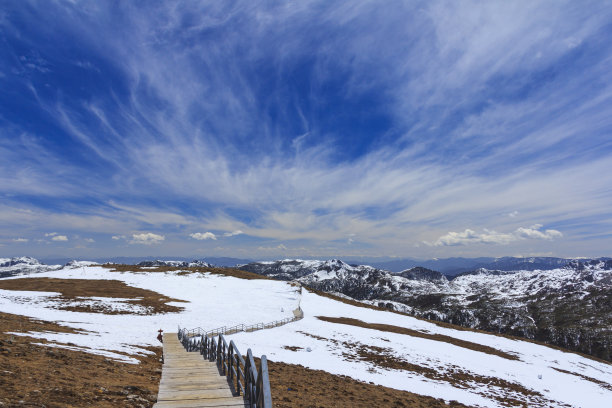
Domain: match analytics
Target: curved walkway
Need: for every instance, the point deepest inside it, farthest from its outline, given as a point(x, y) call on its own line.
point(188, 381)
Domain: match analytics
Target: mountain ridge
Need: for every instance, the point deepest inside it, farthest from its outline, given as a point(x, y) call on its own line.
point(569, 307)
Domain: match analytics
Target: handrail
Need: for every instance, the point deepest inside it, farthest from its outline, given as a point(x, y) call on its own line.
point(240, 327)
point(242, 374)
point(297, 315)
point(198, 331)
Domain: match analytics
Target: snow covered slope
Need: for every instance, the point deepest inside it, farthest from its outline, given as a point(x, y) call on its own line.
point(539, 377)
point(570, 307)
point(370, 345)
point(205, 295)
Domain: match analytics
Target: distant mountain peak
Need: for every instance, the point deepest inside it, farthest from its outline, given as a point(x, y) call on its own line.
point(25, 260)
point(421, 273)
point(23, 265)
point(176, 264)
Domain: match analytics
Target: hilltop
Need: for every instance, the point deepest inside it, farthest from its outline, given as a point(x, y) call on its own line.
point(115, 311)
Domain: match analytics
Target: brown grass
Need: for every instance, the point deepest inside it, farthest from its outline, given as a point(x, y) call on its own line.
point(236, 273)
point(39, 376)
point(414, 333)
point(602, 384)
point(297, 386)
point(513, 394)
point(72, 289)
point(505, 392)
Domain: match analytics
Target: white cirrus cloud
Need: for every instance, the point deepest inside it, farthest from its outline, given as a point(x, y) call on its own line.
point(51, 234)
point(203, 236)
point(20, 240)
point(147, 238)
point(492, 237)
point(118, 237)
point(233, 233)
point(59, 238)
point(90, 240)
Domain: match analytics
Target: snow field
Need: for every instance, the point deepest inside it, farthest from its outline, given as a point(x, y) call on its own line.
point(535, 360)
point(214, 301)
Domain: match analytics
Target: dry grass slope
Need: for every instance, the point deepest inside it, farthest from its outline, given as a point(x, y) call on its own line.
point(297, 386)
point(72, 289)
point(414, 333)
point(236, 273)
point(37, 376)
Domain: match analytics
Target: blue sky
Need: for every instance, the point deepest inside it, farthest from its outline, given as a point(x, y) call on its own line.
point(305, 128)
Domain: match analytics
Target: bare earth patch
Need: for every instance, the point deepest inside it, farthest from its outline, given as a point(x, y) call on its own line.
point(74, 294)
point(414, 333)
point(38, 376)
point(297, 386)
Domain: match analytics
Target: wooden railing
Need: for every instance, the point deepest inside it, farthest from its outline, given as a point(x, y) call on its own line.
point(239, 328)
point(198, 331)
point(243, 374)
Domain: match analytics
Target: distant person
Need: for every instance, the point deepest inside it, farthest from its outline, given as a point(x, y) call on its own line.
point(160, 337)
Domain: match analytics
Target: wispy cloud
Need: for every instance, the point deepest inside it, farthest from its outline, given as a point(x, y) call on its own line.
point(233, 233)
point(308, 122)
point(59, 238)
point(20, 240)
point(203, 236)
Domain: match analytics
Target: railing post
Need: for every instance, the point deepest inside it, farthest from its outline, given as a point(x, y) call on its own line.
point(263, 379)
point(230, 352)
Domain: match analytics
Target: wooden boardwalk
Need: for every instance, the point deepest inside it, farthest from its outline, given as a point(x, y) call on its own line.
point(189, 381)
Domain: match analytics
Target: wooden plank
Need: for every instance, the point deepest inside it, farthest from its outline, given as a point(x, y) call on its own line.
point(193, 379)
point(194, 394)
point(180, 385)
point(192, 368)
point(222, 402)
point(170, 381)
point(190, 381)
point(190, 363)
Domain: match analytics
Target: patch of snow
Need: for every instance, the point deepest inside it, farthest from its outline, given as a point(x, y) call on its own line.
point(214, 301)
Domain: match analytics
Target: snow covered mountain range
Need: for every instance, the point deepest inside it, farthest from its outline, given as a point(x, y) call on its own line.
point(570, 306)
point(455, 266)
point(176, 264)
point(23, 265)
point(375, 347)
